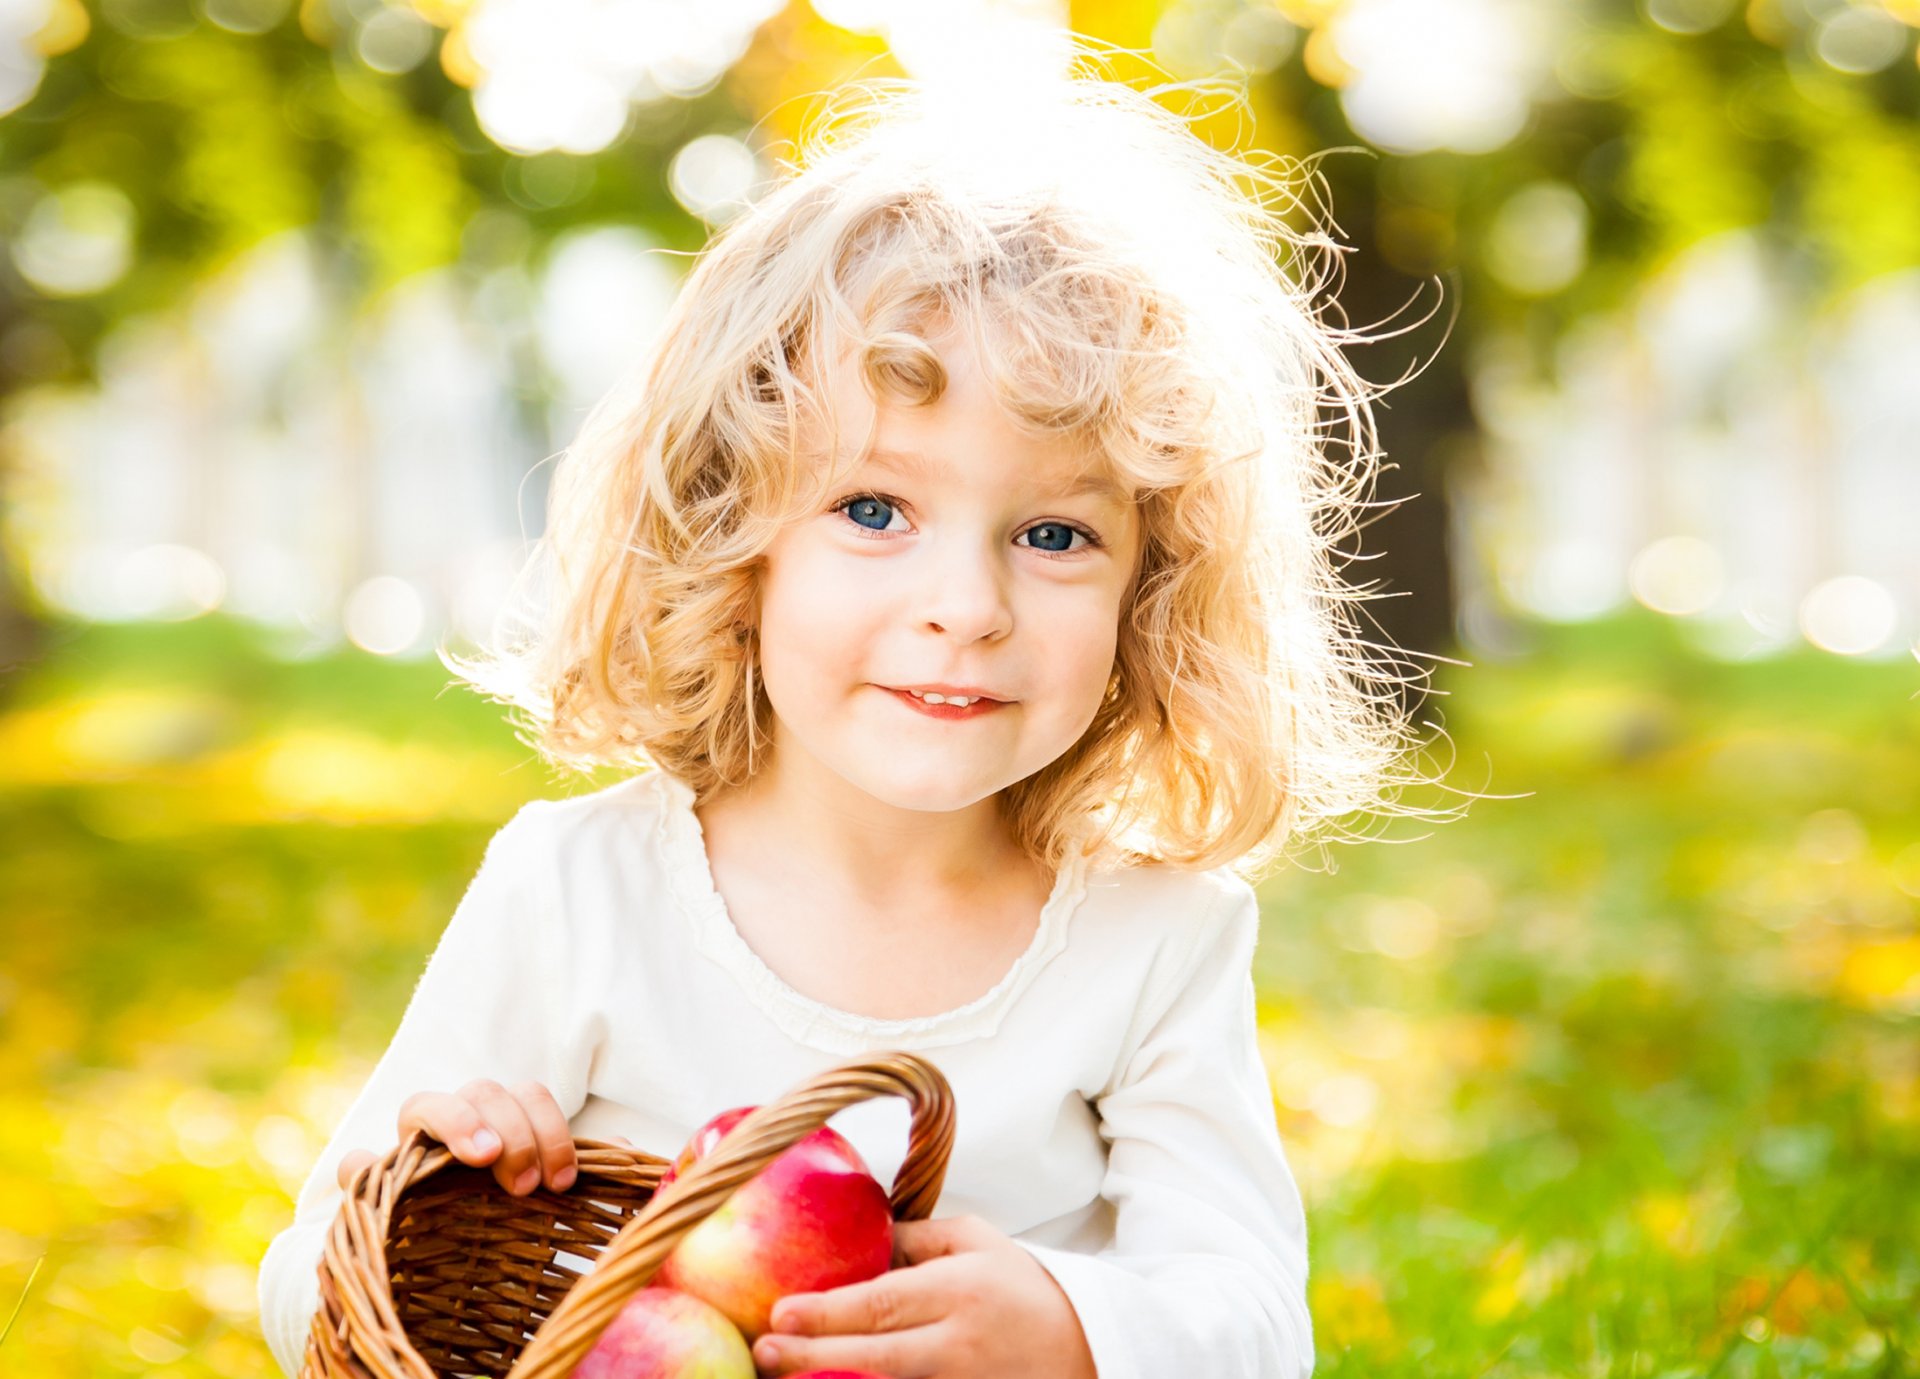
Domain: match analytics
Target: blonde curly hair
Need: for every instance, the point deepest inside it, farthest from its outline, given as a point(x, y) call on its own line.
point(1122, 283)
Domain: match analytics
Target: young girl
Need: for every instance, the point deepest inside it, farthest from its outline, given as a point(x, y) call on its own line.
point(956, 581)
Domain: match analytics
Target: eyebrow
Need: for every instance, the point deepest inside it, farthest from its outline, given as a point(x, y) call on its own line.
point(914, 464)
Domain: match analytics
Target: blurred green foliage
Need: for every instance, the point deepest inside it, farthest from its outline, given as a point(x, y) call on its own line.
point(1643, 1042)
point(1651, 139)
point(221, 139)
point(1615, 1078)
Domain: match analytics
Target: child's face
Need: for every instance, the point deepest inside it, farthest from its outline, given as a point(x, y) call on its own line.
point(967, 572)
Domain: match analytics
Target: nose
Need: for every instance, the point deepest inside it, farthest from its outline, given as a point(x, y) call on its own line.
point(964, 593)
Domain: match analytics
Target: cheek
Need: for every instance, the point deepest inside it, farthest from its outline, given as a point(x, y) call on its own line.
point(1080, 650)
point(810, 618)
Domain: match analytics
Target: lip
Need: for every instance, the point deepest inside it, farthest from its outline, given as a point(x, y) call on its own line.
point(951, 712)
point(967, 691)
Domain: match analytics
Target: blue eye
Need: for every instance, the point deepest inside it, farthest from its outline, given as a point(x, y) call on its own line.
point(874, 512)
point(1061, 531)
point(865, 506)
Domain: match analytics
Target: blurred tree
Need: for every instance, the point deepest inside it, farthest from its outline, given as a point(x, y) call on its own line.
point(216, 140)
point(1667, 138)
point(1639, 140)
point(1643, 140)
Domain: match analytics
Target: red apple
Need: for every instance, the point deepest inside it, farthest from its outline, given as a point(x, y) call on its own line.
point(661, 1334)
point(813, 1219)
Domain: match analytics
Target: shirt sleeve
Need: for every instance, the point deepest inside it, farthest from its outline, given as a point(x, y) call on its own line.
point(1207, 1273)
point(485, 1006)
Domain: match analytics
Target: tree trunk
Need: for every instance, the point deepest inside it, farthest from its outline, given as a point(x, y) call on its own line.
point(23, 636)
point(1406, 549)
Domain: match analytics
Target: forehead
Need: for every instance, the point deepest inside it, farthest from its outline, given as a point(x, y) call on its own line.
point(1085, 481)
point(960, 428)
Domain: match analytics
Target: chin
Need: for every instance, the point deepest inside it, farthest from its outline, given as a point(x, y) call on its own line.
point(936, 797)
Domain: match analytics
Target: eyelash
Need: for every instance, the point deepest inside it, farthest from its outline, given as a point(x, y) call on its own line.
point(1093, 541)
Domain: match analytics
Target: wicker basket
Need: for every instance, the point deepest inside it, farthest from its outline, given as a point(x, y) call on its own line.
point(432, 1270)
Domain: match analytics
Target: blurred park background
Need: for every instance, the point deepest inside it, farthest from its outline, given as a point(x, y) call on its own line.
point(1618, 1075)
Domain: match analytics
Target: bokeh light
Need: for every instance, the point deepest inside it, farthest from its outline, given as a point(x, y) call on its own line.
point(245, 16)
point(604, 293)
point(394, 40)
point(1538, 241)
point(484, 581)
point(21, 63)
point(1402, 928)
point(1571, 580)
point(162, 582)
point(855, 16)
point(1434, 74)
point(1849, 615)
point(1860, 39)
point(948, 45)
point(1681, 575)
point(1345, 1100)
point(78, 239)
point(714, 176)
point(1200, 38)
point(385, 615)
point(1259, 39)
point(1689, 16)
point(562, 74)
point(1905, 870)
point(167, 582)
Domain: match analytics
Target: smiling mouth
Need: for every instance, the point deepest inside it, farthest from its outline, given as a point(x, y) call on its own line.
point(935, 697)
point(935, 708)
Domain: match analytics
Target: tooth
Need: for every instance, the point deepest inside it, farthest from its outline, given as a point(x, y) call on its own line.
point(933, 698)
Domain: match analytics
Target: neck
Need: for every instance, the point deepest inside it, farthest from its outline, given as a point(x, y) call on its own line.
point(825, 833)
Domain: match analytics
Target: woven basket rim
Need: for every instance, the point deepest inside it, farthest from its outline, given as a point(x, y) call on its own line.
point(358, 1331)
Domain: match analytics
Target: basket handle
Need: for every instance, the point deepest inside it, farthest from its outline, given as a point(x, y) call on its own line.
point(631, 1258)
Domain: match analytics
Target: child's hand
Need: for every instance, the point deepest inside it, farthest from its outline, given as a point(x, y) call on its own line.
point(972, 1304)
point(520, 1131)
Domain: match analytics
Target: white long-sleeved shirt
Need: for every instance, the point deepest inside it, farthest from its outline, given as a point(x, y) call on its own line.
point(1113, 1114)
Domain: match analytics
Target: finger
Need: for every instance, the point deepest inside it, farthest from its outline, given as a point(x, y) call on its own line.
point(553, 1137)
point(518, 1167)
point(455, 1122)
point(892, 1302)
point(913, 1354)
point(484, 1107)
point(355, 1160)
point(915, 1242)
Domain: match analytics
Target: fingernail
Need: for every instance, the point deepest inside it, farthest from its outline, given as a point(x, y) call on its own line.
point(484, 1140)
point(769, 1352)
point(563, 1179)
point(525, 1182)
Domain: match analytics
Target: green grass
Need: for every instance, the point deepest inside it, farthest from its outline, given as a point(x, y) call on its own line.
point(1618, 1078)
point(1644, 1040)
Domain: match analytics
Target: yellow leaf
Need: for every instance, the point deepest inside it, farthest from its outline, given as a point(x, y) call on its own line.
point(65, 28)
point(1882, 975)
point(1351, 1309)
point(1502, 1292)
